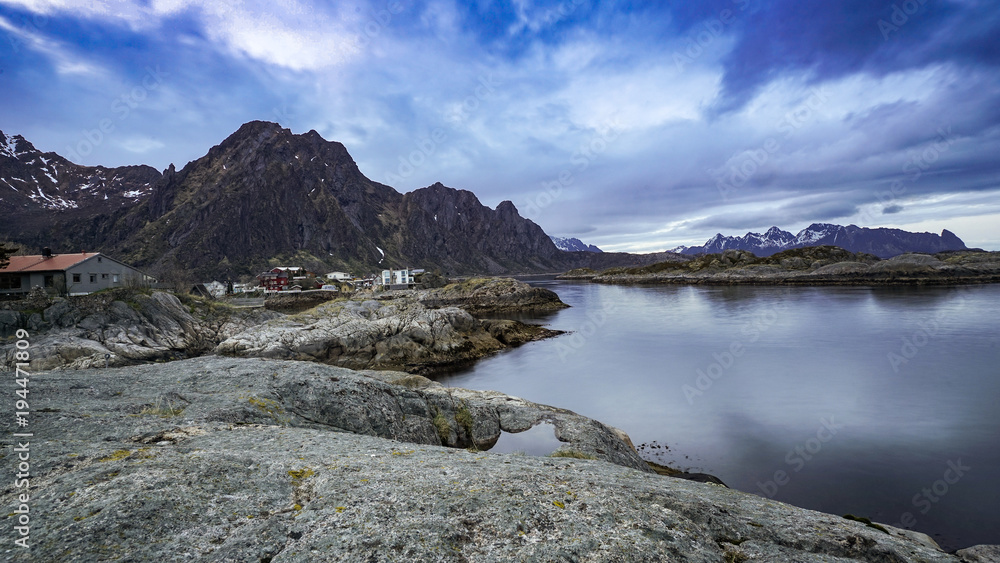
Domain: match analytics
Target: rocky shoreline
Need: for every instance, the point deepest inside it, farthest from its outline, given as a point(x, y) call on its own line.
point(416, 331)
point(820, 265)
point(247, 453)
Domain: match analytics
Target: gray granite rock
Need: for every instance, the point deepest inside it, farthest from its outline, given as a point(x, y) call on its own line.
point(399, 333)
point(10, 321)
point(78, 334)
point(226, 459)
point(980, 554)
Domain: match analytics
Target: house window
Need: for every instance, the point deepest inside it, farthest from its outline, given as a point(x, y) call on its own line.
point(76, 278)
point(93, 278)
point(50, 281)
point(114, 278)
point(10, 281)
point(104, 276)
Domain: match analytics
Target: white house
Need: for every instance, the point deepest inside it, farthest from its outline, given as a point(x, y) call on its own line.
point(339, 276)
point(398, 279)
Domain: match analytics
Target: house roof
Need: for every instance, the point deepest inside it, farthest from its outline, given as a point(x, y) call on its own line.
point(42, 264)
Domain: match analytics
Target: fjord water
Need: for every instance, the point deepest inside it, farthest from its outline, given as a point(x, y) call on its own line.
point(878, 402)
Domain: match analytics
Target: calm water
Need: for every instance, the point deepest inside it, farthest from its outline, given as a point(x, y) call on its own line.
point(879, 402)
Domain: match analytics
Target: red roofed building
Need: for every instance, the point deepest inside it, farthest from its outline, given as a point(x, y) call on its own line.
point(66, 274)
point(274, 280)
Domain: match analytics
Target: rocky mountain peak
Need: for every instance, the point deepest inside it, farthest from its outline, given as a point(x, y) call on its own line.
point(881, 242)
point(265, 194)
point(15, 146)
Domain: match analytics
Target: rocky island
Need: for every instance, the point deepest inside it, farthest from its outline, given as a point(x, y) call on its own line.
point(818, 265)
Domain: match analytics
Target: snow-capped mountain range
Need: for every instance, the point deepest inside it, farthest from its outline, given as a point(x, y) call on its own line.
point(31, 180)
point(881, 242)
point(573, 245)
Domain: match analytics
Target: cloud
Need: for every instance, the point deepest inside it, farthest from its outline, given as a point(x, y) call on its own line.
point(520, 96)
point(291, 35)
point(141, 145)
point(64, 60)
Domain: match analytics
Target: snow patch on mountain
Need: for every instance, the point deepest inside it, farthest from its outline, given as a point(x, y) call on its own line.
point(569, 244)
point(8, 145)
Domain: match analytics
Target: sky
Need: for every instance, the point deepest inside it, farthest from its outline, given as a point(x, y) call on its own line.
point(635, 126)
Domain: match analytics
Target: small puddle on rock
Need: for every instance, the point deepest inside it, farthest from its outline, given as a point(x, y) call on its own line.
point(539, 440)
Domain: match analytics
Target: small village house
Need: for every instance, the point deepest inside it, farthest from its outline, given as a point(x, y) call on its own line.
point(397, 279)
point(274, 280)
point(339, 276)
point(285, 278)
point(67, 274)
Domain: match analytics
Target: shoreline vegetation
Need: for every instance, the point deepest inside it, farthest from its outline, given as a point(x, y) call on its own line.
point(210, 436)
point(818, 265)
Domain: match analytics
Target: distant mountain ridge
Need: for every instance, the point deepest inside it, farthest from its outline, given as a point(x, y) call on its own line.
point(46, 200)
point(882, 242)
point(573, 245)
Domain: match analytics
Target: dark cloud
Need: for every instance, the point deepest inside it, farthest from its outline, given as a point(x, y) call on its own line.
point(827, 40)
point(891, 209)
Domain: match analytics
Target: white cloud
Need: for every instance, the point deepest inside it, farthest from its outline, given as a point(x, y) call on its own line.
point(141, 144)
point(63, 59)
point(290, 35)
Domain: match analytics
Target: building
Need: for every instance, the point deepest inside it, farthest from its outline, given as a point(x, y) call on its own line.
point(339, 276)
point(274, 280)
point(67, 274)
point(397, 279)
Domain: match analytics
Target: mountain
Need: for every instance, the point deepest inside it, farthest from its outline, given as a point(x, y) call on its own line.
point(573, 245)
point(265, 194)
point(882, 242)
point(44, 197)
point(264, 197)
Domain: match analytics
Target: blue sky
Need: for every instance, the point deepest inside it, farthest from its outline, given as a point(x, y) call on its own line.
point(631, 125)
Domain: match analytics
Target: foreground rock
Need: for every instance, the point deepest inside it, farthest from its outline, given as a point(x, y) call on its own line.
point(820, 265)
point(246, 460)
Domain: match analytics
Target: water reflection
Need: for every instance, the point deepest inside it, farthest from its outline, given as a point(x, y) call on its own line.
point(736, 378)
point(539, 440)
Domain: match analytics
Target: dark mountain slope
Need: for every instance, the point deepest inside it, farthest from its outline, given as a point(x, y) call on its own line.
point(46, 200)
point(265, 197)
